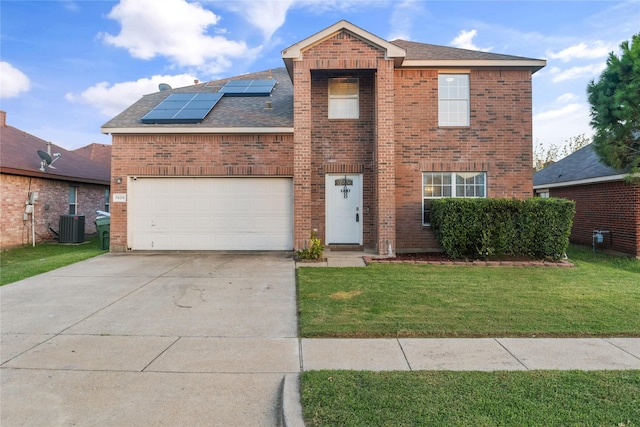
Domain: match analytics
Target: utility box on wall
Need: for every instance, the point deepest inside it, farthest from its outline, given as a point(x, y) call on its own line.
point(71, 229)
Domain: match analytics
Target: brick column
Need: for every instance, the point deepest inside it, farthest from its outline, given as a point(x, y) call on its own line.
point(301, 155)
point(385, 158)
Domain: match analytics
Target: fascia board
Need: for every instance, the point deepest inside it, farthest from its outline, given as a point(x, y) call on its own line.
point(535, 64)
point(596, 180)
point(198, 130)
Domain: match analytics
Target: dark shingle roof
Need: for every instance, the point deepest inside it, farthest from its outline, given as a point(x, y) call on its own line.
point(583, 164)
point(19, 156)
point(424, 51)
point(230, 112)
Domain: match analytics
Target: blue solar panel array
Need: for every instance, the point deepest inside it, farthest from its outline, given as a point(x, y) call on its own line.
point(183, 108)
point(194, 107)
point(248, 87)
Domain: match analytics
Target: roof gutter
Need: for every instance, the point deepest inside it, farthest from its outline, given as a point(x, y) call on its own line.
point(192, 130)
point(596, 180)
point(533, 64)
point(44, 175)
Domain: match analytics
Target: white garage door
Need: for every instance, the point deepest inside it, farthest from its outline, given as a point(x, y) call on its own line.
point(211, 214)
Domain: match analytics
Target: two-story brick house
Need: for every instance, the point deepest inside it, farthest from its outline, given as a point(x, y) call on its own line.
point(352, 139)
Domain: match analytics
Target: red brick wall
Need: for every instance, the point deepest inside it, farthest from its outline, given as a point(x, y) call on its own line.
point(192, 155)
point(53, 201)
point(498, 141)
point(613, 206)
point(342, 146)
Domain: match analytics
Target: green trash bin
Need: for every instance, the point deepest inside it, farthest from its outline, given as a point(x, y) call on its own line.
point(103, 224)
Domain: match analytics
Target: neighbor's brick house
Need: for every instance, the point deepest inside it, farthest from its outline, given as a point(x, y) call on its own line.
point(79, 184)
point(353, 141)
point(604, 199)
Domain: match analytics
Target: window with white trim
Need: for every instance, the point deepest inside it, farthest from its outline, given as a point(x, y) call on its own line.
point(107, 204)
point(453, 100)
point(437, 185)
point(344, 99)
point(73, 200)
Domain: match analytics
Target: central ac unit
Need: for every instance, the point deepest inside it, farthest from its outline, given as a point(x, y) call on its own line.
point(71, 229)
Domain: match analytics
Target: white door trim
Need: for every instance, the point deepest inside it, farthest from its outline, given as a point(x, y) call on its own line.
point(343, 211)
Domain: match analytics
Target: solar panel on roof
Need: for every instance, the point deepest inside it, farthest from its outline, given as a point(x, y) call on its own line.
point(183, 108)
point(248, 87)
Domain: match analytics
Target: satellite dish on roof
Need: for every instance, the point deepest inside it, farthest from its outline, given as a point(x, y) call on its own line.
point(163, 87)
point(46, 160)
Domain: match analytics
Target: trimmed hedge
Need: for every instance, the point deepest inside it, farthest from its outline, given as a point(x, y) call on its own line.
point(472, 228)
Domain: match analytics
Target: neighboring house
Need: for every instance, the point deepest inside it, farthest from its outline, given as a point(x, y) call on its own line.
point(604, 200)
point(78, 184)
point(352, 139)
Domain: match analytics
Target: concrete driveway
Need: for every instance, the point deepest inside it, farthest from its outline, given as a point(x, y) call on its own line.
point(179, 339)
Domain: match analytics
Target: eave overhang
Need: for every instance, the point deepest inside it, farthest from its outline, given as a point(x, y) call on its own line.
point(196, 130)
point(531, 64)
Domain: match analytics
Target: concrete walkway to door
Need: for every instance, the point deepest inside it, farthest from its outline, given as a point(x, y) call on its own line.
point(150, 339)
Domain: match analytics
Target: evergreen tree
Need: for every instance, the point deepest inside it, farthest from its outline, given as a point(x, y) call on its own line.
point(615, 108)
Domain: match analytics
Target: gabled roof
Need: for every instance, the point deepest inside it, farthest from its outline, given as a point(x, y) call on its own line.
point(19, 156)
point(230, 115)
point(294, 52)
point(581, 167)
point(431, 55)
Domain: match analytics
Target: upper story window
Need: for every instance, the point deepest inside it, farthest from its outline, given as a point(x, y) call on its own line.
point(344, 99)
point(73, 200)
point(450, 184)
point(453, 100)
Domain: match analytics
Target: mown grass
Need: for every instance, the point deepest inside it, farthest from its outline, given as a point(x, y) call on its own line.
point(20, 263)
point(426, 398)
point(600, 296)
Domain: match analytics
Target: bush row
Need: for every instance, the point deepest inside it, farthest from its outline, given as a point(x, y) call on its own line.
point(472, 228)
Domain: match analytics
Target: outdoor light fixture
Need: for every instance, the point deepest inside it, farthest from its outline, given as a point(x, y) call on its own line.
point(118, 180)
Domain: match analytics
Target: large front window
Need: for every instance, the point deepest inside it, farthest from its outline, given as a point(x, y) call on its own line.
point(343, 98)
point(436, 185)
point(453, 100)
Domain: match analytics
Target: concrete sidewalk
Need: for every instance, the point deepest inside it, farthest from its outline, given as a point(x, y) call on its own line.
point(471, 354)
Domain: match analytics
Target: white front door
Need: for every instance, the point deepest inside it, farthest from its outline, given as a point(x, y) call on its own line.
point(343, 194)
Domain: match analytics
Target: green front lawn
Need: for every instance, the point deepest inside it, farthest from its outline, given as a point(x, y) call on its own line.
point(535, 398)
point(600, 296)
point(27, 261)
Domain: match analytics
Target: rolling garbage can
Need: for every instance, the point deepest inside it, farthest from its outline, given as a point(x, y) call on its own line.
point(103, 225)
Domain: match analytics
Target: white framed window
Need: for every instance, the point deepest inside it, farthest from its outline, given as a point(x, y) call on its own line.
point(437, 185)
point(344, 98)
point(544, 193)
point(453, 100)
point(107, 203)
point(73, 200)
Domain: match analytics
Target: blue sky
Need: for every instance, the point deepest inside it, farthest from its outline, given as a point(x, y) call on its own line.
point(68, 66)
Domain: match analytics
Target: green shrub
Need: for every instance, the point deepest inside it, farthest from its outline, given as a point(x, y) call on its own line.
point(471, 228)
point(314, 251)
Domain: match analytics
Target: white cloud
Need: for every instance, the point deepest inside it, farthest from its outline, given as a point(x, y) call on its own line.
point(587, 71)
point(12, 81)
point(402, 18)
point(597, 49)
point(566, 97)
point(111, 100)
point(558, 125)
point(268, 16)
point(176, 29)
point(464, 40)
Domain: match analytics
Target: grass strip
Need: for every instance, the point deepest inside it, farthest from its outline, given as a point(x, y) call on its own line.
point(598, 297)
point(20, 263)
point(426, 398)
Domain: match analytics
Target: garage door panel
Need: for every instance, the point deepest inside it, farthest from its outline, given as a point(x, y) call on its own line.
point(211, 214)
